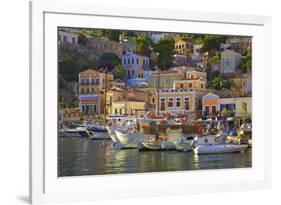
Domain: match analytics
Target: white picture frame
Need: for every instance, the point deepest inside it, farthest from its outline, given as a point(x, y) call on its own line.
point(46, 187)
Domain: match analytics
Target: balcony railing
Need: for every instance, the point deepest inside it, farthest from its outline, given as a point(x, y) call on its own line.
point(88, 83)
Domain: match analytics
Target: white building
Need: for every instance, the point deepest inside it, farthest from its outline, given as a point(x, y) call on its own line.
point(197, 48)
point(66, 36)
point(225, 46)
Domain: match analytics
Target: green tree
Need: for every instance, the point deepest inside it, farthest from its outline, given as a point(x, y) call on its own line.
point(216, 59)
point(225, 112)
point(96, 32)
point(246, 63)
point(211, 43)
point(244, 113)
point(165, 48)
point(82, 39)
point(227, 84)
point(110, 58)
point(128, 34)
point(143, 45)
point(62, 82)
point(216, 83)
point(68, 68)
point(119, 73)
point(113, 35)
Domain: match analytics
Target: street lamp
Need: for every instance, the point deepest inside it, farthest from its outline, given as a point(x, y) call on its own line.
point(158, 84)
point(105, 69)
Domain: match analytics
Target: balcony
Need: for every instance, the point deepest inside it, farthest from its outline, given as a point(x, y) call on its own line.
point(88, 83)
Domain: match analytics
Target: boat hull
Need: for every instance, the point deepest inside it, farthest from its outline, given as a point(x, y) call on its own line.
point(219, 149)
point(183, 147)
point(162, 145)
point(127, 141)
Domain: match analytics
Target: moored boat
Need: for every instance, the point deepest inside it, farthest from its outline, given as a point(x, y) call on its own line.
point(158, 145)
point(219, 148)
point(76, 132)
point(127, 140)
point(186, 144)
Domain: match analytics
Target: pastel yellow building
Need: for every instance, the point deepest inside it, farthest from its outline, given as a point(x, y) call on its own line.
point(176, 100)
point(131, 107)
point(212, 104)
point(239, 105)
point(91, 82)
point(166, 78)
point(183, 46)
point(125, 101)
point(194, 79)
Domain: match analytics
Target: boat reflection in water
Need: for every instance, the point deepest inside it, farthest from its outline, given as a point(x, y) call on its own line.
point(83, 156)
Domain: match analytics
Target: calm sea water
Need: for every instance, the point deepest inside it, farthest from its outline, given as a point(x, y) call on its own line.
point(82, 156)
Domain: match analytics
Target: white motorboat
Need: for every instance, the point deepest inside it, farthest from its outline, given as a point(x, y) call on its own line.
point(219, 148)
point(121, 124)
point(219, 138)
point(76, 132)
point(127, 140)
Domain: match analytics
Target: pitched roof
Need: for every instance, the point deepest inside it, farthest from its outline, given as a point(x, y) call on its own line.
point(89, 71)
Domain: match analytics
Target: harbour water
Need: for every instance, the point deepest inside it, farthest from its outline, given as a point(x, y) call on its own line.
point(83, 156)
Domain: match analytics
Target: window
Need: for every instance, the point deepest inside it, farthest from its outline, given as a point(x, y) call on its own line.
point(214, 109)
point(186, 103)
point(137, 60)
point(64, 39)
point(133, 61)
point(116, 111)
point(128, 73)
point(59, 37)
point(207, 109)
point(202, 86)
point(178, 102)
point(73, 40)
point(98, 82)
point(181, 85)
point(88, 90)
point(129, 61)
point(120, 111)
point(133, 72)
point(82, 90)
point(95, 108)
point(190, 85)
point(153, 100)
point(162, 104)
point(88, 81)
point(171, 102)
point(124, 61)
